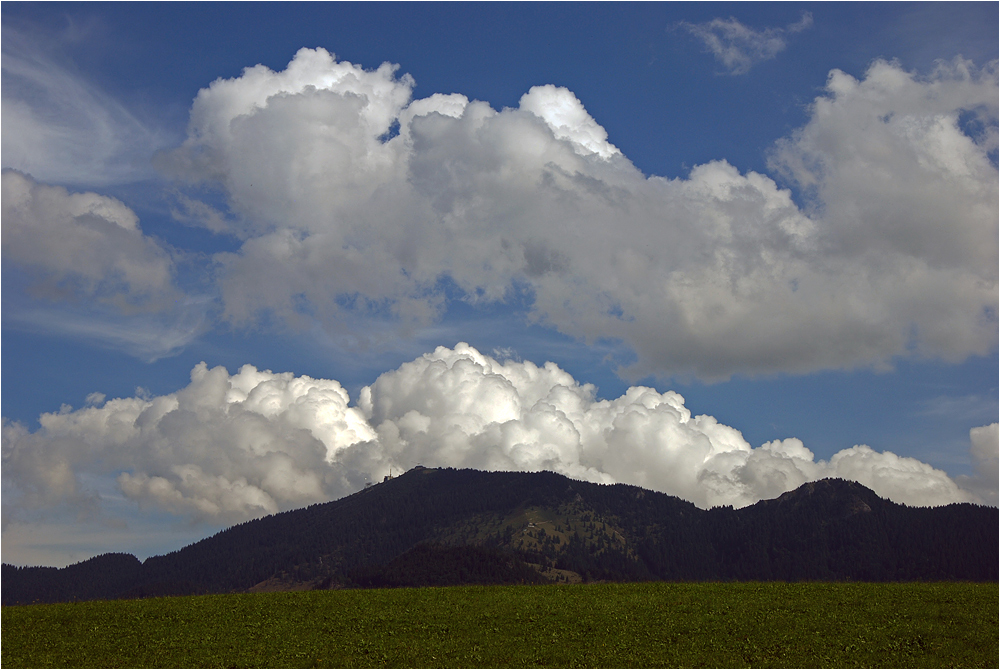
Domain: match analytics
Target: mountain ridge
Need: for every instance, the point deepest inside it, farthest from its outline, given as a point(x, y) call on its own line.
point(542, 526)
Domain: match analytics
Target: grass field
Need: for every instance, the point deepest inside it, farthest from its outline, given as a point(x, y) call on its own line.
point(593, 625)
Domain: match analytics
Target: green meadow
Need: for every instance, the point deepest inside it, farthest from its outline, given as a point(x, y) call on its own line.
point(585, 625)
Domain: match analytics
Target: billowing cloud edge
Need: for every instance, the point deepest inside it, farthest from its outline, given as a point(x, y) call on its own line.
point(370, 202)
point(227, 448)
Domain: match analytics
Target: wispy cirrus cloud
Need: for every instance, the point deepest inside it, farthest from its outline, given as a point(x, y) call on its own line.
point(970, 407)
point(739, 47)
point(148, 337)
point(62, 129)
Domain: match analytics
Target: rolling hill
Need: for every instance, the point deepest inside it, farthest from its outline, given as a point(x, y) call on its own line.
point(445, 526)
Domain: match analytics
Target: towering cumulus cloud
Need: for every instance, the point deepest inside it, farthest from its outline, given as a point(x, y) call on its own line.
point(354, 201)
point(232, 447)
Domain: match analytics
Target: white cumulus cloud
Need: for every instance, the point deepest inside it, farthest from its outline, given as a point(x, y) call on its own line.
point(232, 447)
point(718, 273)
point(102, 279)
point(82, 243)
point(224, 448)
point(985, 451)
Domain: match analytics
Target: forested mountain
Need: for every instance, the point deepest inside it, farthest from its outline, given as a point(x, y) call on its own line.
point(445, 526)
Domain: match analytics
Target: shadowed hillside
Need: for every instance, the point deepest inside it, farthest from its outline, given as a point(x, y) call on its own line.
point(446, 526)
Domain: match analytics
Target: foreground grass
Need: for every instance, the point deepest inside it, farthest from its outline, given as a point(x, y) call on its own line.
point(597, 625)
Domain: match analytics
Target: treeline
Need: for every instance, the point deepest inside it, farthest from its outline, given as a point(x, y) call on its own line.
point(827, 530)
point(399, 532)
point(94, 579)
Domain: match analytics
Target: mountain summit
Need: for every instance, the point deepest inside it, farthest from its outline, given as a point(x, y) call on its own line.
point(445, 526)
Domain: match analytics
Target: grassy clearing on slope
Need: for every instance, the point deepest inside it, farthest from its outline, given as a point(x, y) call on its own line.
point(593, 625)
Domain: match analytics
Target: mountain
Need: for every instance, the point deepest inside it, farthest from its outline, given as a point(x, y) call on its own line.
point(446, 526)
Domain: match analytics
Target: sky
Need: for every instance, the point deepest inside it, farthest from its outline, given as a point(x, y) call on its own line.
point(258, 255)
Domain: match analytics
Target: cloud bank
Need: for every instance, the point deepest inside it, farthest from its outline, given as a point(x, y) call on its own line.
point(227, 448)
point(354, 201)
point(740, 47)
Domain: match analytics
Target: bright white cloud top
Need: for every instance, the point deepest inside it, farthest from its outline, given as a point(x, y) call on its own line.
point(228, 448)
point(714, 274)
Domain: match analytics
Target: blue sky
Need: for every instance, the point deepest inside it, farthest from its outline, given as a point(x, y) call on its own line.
point(786, 213)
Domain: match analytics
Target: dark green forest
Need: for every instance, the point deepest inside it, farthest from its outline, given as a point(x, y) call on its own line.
point(446, 527)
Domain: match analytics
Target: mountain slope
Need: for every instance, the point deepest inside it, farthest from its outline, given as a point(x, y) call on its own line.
point(567, 530)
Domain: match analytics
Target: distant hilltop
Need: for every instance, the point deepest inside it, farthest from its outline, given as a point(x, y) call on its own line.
point(389, 476)
point(432, 526)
